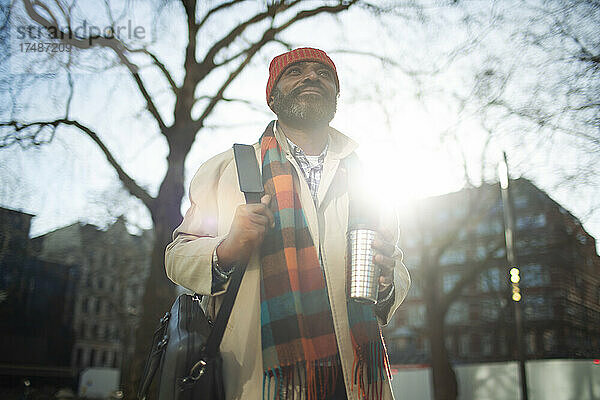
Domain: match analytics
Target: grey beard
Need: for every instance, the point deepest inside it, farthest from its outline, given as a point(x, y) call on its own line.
point(310, 112)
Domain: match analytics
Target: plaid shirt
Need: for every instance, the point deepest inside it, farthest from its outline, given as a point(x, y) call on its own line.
point(311, 166)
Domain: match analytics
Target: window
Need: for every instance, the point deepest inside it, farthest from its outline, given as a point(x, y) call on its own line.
point(530, 342)
point(482, 228)
point(427, 238)
point(449, 281)
point(114, 333)
point(457, 313)
point(534, 275)
point(461, 210)
point(416, 315)
point(489, 280)
point(92, 360)
point(480, 253)
point(443, 216)
point(549, 340)
point(411, 260)
point(537, 307)
point(464, 344)
point(79, 357)
point(415, 289)
point(425, 345)
point(493, 226)
point(453, 256)
point(409, 241)
point(490, 309)
point(531, 245)
point(85, 304)
point(501, 252)
point(531, 221)
point(503, 342)
point(475, 347)
point(520, 201)
point(449, 342)
point(486, 345)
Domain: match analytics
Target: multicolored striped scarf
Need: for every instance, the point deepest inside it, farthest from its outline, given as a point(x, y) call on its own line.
point(299, 346)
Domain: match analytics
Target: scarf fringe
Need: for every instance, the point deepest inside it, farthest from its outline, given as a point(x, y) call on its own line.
point(370, 370)
point(315, 380)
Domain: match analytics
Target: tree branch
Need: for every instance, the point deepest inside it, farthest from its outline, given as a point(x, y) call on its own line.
point(86, 43)
point(190, 63)
point(544, 121)
point(158, 64)
point(383, 59)
point(218, 8)
point(208, 63)
point(127, 181)
point(133, 69)
point(254, 48)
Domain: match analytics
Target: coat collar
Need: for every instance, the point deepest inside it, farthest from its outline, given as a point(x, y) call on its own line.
point(340, 145)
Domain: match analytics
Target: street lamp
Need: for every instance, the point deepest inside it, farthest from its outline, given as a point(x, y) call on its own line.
point(515, 274)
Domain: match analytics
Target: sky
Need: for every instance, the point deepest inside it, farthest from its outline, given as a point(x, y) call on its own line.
point(403, 122)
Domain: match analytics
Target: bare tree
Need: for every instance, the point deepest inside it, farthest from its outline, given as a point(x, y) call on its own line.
point(553, 44)
point(441, 244)
point(539, 89)
point(224, 59)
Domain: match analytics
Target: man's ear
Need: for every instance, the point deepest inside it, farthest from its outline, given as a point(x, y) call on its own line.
point(270, 102)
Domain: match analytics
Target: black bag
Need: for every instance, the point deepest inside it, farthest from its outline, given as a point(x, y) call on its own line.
point(178, 350)
point(185, 347)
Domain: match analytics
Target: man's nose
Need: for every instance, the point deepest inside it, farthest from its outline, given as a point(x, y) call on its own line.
point(311, 75)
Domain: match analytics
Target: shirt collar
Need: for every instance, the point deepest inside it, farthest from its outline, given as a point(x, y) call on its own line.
point(339, 145)
point(298, 152)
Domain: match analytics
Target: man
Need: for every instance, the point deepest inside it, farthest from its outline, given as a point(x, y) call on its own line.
point(292, 333)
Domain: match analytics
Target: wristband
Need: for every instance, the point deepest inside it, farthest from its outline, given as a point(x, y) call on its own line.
point(222, 275)
point(388, 296)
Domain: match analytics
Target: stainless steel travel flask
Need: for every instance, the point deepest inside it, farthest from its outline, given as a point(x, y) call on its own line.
point(363, 220)
point(364, 274)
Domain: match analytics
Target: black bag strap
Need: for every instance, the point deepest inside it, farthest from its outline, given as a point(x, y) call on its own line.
point(251, 184)
point(159, 342)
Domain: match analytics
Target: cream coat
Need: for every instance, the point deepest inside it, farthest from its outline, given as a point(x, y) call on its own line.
point(214, 195)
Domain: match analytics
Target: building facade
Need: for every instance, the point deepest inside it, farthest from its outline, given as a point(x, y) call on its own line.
point(36, 309)
point(454, 248)
point(113, 266)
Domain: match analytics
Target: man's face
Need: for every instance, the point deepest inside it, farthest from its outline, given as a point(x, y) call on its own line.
point(305, 95)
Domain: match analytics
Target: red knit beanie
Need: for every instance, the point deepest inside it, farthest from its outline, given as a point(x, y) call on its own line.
point(282, 61)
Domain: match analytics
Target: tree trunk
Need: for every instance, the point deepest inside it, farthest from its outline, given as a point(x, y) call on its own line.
point(445, 386)
point(159, 292)
point(158, 297)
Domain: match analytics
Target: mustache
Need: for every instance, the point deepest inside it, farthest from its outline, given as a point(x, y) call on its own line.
point(299, 89)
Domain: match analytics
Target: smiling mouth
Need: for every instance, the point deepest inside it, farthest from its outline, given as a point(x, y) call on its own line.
point(311, 90)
